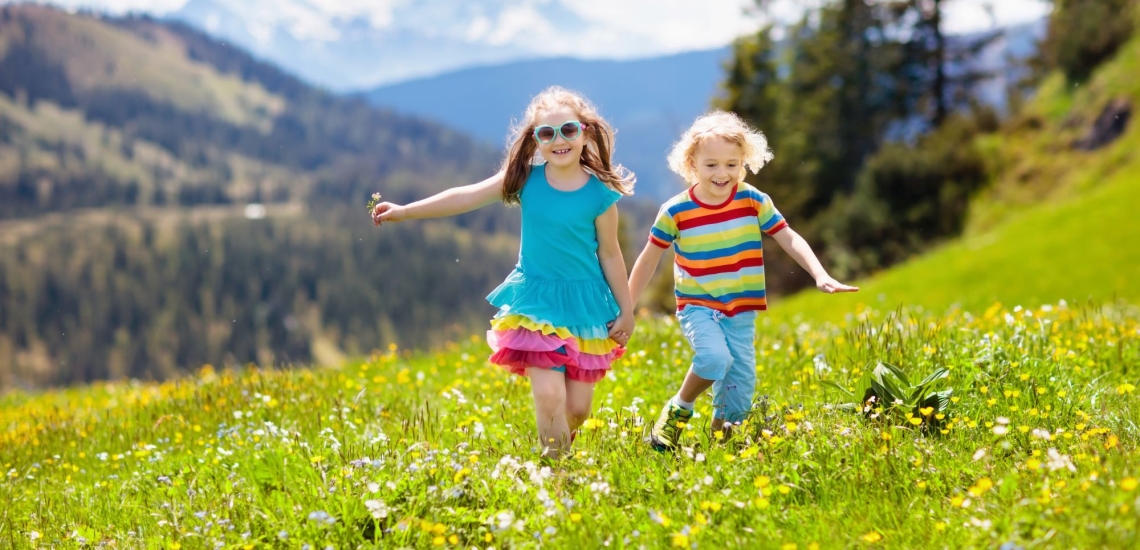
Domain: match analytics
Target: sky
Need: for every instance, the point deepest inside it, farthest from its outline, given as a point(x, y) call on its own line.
point(613, 28)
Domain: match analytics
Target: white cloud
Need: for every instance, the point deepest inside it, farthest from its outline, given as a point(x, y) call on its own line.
point(613, 28)
point(664, 26)
point(972, 15)
point(521, 25)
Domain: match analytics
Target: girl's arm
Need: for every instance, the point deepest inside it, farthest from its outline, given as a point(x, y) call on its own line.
point(643, 270)
point(801, 252)
point(613, 267)
point(448, 203)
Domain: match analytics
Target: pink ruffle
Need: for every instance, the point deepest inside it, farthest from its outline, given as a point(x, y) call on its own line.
point(588, 376)
point(517, 361)
point(589, 362)
point(519, 349)
point(529, 340)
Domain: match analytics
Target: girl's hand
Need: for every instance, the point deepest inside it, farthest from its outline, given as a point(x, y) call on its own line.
point(622, 328)
point(387, 212)
point(831, 286)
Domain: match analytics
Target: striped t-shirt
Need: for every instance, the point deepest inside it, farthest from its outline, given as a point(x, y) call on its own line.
point(719, 262)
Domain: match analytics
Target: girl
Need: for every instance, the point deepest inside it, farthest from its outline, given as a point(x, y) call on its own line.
point(564, 312)
point(714, 228)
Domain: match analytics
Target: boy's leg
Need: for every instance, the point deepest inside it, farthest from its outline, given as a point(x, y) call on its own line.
point(732, 396)
point(711, 360)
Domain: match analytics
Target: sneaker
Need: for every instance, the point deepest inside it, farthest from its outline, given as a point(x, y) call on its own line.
point(667, 430)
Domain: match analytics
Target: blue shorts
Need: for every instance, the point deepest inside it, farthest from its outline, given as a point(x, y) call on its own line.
point(724, 351)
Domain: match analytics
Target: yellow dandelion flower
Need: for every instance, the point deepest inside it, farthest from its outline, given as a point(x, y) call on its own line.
point(575, 517)
point(872, 537)
point(438, 541)
point(488, 537)
point(1128, 483)
point(761, 481)
point(680, 540)
point(453, 539)
point(784, 489)
point(316, 459)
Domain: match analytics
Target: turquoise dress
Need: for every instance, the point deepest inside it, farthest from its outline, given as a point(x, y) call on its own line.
point(555, 306)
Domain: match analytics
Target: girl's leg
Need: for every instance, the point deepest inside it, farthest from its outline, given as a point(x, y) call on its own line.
point(579, 402)
point(549, 390)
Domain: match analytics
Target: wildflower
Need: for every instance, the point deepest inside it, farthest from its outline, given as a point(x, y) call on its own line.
point(1125, 388)
point(981, 486)
point(575, 517)
point(872, 537)
point(1128, 483)
point(680, 540)
point(377, 508)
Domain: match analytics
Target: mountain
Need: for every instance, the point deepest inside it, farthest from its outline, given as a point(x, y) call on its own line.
point(167, 201)
point(649, 101)
point(359, 45)
point(348, 52)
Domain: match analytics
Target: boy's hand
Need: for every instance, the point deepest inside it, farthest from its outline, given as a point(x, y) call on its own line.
point(831, 286)
point(387, 212)
point(622, 328)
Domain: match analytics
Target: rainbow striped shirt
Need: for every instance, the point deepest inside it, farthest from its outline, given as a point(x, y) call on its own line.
point(719, 262)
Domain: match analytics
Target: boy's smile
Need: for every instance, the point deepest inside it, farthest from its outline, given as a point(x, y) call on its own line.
point(718, 165)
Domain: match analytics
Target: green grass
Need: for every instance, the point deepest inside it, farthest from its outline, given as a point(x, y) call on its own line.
point(1080, 250)
point(438, 450)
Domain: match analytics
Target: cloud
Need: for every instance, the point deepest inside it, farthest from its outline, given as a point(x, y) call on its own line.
point(584, 28)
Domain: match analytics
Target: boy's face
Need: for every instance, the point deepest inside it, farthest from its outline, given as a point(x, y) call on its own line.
point(718, 166)
point(561, 152)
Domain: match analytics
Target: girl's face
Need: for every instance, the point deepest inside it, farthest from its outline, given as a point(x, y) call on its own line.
point(564, 148)
point(718, 164)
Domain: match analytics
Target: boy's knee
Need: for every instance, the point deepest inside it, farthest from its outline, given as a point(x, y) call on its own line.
point(712, 363)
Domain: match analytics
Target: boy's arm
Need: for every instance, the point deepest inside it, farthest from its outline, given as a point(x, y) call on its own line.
point(457, 200)
point(801, 252)
point(643, 270)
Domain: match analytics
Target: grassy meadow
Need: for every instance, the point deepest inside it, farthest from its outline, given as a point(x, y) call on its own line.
point(1037, 447)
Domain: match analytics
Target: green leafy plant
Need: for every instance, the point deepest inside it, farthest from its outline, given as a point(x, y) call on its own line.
point(885, 391)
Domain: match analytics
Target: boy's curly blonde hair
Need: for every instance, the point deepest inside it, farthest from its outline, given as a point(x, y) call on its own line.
point(727, 126)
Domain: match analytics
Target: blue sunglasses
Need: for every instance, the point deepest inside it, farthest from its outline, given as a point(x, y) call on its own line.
point(569, 130)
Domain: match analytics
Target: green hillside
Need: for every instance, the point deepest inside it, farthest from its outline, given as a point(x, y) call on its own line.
point(1056, 223)
point(129, 150)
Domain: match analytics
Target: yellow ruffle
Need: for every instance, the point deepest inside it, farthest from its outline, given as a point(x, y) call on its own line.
point(592, 346)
